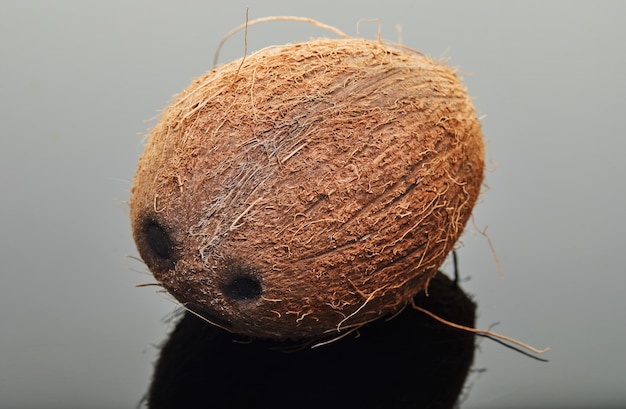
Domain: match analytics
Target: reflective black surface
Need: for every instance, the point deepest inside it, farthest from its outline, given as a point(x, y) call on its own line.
point(407, 362)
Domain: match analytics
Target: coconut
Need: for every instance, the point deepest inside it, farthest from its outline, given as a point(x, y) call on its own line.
point(308, 188)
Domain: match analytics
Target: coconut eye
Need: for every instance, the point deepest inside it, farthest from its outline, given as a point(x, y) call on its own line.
point(156, 246)
point(242, 288)
point(158, 241)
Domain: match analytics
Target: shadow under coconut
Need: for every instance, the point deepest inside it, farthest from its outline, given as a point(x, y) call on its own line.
point(409, 361)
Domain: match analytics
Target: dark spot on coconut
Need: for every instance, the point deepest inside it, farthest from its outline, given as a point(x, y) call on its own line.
point(242, 288)
point(158, 241)
point(156, 246)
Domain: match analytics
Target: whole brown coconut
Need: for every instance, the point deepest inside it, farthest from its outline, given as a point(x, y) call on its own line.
point(308, 188)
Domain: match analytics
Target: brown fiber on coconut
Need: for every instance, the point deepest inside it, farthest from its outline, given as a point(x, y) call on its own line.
point(308, 188)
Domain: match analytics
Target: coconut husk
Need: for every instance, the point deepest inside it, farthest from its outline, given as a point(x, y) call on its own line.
point(309, 188)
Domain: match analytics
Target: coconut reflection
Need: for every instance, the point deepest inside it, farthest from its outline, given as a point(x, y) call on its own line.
point(409, 360)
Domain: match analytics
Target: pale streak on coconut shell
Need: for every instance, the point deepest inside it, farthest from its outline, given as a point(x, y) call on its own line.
point(327, 179)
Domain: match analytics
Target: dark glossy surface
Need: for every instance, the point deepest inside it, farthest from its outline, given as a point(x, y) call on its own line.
point(406, 362)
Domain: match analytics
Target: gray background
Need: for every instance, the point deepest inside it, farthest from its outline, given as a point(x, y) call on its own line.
point(79, 79)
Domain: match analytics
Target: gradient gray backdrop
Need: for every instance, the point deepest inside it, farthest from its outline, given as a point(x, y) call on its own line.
point(80, 79)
